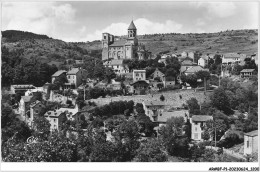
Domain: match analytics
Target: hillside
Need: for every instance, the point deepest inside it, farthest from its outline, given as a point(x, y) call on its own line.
point(56, 51)
point(42, 47)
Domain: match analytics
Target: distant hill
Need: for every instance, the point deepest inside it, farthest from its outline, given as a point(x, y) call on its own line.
point(56, 51)
point(44, 48)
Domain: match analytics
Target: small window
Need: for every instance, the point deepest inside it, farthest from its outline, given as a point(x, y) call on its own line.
point(36, 111)
point(196, 129)
point(247, 144)
point(105, 37)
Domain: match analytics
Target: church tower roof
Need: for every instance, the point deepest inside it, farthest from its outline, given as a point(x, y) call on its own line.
point(132, 26)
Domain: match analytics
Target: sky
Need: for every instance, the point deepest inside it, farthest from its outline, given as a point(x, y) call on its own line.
point(84, 21)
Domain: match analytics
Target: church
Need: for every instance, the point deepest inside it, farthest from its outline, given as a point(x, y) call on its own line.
point(123, 48)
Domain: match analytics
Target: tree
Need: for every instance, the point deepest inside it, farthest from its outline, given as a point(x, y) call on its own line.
point(172, 137)
point(56, 149)
point(127, 136)
point(193, 105)
point(162, 98)
point(103, 152)
point(219, 99)
point(150, 151)
point(11, 124)
point(203, 74)
point(41, 128)
point(192, 80)
point(146, 125)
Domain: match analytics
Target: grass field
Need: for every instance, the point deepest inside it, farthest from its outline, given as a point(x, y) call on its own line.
point(172, 98)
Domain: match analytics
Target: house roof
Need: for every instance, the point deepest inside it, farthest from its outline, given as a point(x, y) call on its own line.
point(116, 62)
point(187, 63)
point(69, 110)
point(26, 98)
point(205, 57)
point(164, 116)
point(140, 81)
point(195, 69)
point(73, 71)
point(201, 118)
point(22, 86)
point(157, 70)
point(252, 133)
point(35, 103)
point(247, 70)
point(118, 43)
point(53, 113)
point(132, 26)
point(154, 103)
point(59, 72)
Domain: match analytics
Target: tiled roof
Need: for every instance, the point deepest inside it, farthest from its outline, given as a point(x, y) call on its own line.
point(26, 98)
point(205, 57)
point(164, 116)
point(154, 103)
point(22, 86)
point(116, 62)
point(201, 118)
point(132, 26)
point(247, 70)
point(59, 72)
point(195, 69)
point(118, 43)
point(53, 113)
point(187, 63)
point(73, 71)
point(35, 103)
point(252, 133)
point(140, 81)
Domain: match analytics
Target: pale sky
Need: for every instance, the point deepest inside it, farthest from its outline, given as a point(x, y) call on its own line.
point(86, 21)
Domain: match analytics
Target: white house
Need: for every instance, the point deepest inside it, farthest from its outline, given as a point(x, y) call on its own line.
point(203, 61)
point(251, 142)
point(139, 75)
point(117, 65)
point(231, 58)
point(197, 124)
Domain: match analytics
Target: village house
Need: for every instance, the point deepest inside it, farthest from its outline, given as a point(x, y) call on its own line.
point(203, 61)
point(162, 117)
point(186, 64)
point(139, 87)
point(35, 109)
point(58, 74)
point(114, 85)
point(23, 88)
point(251, 142)
point(158, 74)
point(139, 75)
point(118, 66)
point(24, 106)
point(168, 83)
point(198, 123)
point(247, 73)
point(56, 119)
point(194, 69)
point(231, 58)
point(153, 108)
point(74, 76)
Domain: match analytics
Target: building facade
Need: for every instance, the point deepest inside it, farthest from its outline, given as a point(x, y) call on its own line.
point(198, 123)
point(139, 75)
point(251, 142)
